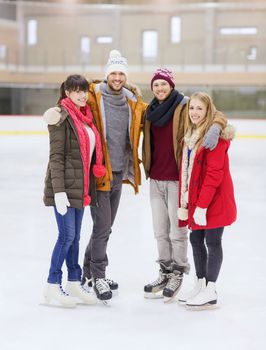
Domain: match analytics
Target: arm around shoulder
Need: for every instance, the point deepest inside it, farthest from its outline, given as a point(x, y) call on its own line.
point(220, 119)
point(212, 136)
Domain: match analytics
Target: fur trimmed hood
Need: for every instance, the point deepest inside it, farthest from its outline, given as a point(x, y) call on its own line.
point(228, 133)
point(52, 116)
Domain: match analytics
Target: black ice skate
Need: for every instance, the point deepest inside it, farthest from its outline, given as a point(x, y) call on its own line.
point(112, 284)
point(153, 290)
point(87, 283)
point(174, 283)
point(102, 289)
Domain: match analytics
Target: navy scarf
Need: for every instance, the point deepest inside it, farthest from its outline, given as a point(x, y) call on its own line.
point(159, 114)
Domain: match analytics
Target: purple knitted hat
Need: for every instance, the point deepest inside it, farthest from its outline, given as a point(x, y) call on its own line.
point(164, 74)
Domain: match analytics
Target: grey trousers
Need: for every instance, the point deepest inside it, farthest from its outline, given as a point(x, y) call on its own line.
point(172, 241)
point(103, 216)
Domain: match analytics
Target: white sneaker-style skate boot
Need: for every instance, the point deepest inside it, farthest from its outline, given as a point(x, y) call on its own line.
point(205, 299)
point(55, 293)
point(199, 285)
point(76, 290)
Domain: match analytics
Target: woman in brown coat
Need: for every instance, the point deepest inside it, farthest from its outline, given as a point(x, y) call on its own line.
point(69, 184)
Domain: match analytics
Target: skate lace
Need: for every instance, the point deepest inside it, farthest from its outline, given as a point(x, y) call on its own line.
point(160, 279)
point(65, 294)
point(101, 285)
point(109, 281)
point(174, 281)
point(83, 289)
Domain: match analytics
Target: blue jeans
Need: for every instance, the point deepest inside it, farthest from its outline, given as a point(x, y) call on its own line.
point(67, 246)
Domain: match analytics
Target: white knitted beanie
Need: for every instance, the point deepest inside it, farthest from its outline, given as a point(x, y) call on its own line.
point(116, 63)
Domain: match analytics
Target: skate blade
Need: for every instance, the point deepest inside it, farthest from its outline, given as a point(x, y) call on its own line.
point(167, 300)
point(83, 303)
point(114, 292)
point(181, 302)
point(57, 306)
point(105, 302)
point(157, 295)
point(205, 307)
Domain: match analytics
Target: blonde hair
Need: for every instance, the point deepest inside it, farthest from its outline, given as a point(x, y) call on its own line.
point(205, 124)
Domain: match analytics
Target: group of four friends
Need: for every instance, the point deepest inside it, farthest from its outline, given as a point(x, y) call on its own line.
point(94, 134)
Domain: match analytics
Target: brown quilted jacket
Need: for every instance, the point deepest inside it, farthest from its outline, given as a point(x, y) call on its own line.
point(65, 167)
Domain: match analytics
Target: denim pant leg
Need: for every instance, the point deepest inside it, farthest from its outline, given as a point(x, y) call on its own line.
point(73, 267)
point(66, 236)
point(103, 216)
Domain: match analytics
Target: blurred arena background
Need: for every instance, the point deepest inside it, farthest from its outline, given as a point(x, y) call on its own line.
point(217, 46)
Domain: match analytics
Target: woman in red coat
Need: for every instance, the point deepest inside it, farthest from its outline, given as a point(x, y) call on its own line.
point(207, 200)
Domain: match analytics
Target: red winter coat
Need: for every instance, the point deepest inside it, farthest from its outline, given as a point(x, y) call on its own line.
point(211, 187)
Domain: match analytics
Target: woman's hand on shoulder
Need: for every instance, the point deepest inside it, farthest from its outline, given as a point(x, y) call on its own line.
point(211, 138)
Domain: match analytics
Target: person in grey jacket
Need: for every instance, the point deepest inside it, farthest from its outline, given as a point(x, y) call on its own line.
point(75, 159)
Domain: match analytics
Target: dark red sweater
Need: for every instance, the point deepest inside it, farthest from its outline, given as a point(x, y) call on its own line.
point(163, 163)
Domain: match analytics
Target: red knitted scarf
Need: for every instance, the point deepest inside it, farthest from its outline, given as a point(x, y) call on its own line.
point(80, 117)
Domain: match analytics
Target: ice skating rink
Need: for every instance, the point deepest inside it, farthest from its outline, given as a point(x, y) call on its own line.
point(28, 233)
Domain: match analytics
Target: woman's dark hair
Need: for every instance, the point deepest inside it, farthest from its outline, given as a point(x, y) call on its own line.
point(73, 83)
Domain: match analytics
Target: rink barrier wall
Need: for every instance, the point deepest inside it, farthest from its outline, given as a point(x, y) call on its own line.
point(34, 133)
point(31, 133)
point(20, 132)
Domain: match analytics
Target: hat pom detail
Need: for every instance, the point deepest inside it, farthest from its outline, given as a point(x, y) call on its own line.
point(163, 74)
point(98, 170)
point(116, 63)
point(182, 214)
point(114, 54)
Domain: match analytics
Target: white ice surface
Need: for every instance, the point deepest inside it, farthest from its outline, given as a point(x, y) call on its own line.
point(28, 232)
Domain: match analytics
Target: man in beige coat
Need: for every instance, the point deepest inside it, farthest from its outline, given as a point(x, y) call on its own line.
point(118, 112)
